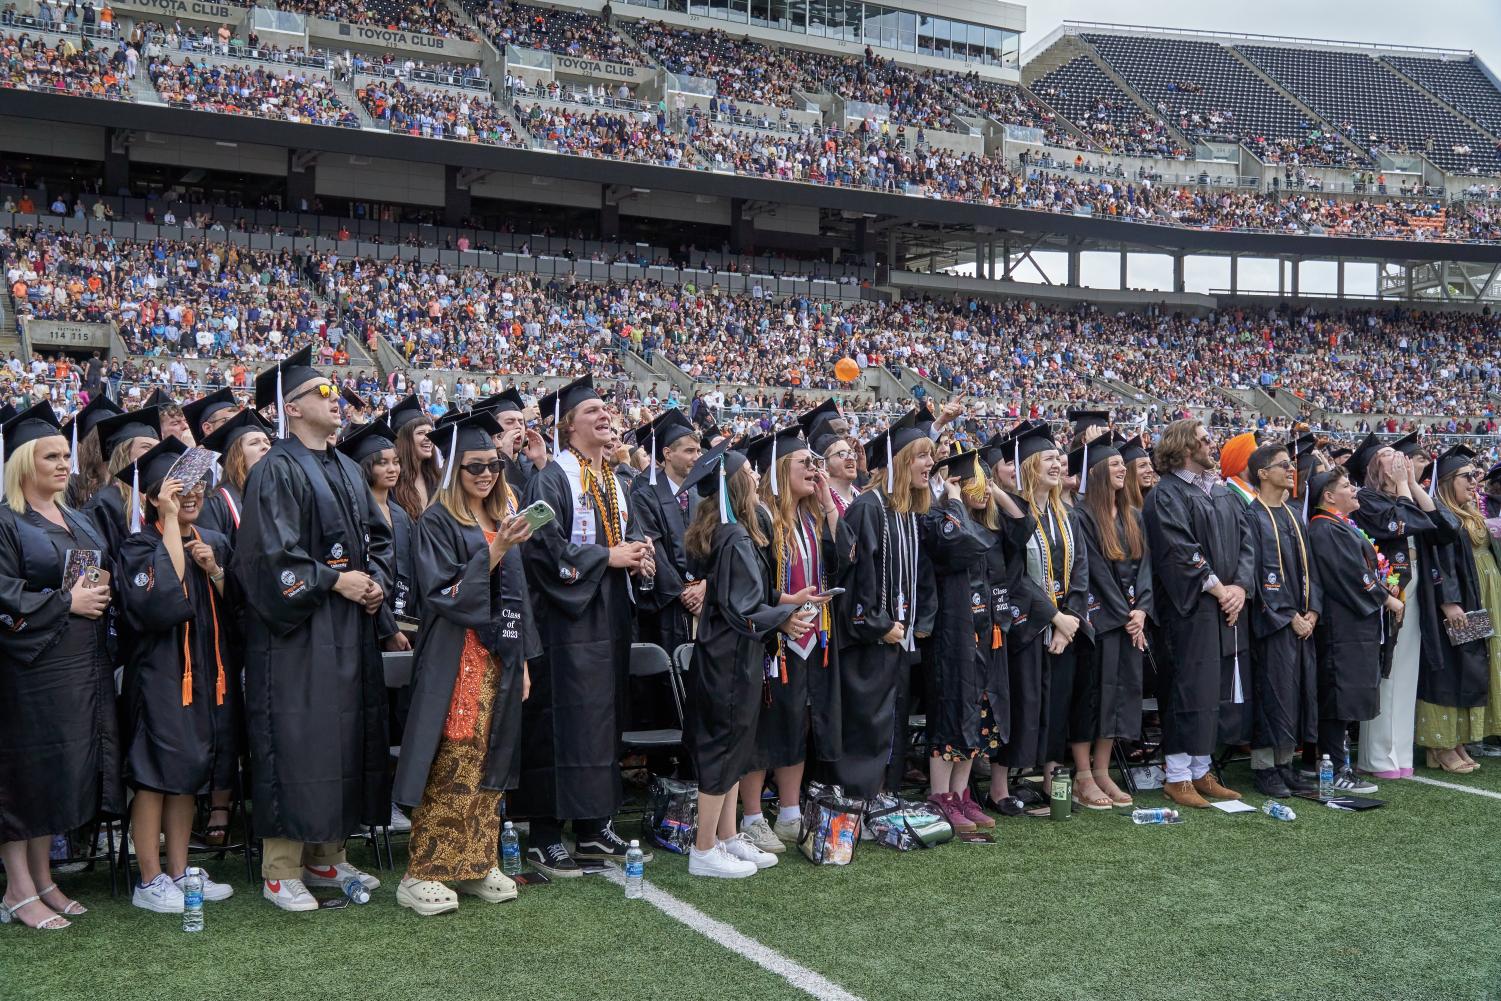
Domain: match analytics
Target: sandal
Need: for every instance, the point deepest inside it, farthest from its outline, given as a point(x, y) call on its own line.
point(1099, 801)
point(73, 909)
point(426, 896)
point(8, 914)
point(495, 887)
point(1118, 796)
point(1457, 767)
point(216, 835)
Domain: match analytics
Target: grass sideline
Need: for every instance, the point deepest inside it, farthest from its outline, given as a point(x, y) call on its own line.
point(1396, 903)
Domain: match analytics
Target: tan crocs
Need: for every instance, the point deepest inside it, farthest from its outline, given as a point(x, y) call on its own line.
point(426, 896)
point(496, 887)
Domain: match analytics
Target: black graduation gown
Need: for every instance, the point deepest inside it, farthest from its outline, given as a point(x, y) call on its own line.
point(461, 593)
point(1111, 666)
point(178, 749)
point(1191, 535)
point(731, 654)
point(1460, 676)
point(1352, 627)
point(1284, 668)
point(217, 515)
point(106, 510)
point(959, 679)
point(870, 670)
point(404, 598)
point(656, 514)
point(802, 697)
point(315, 697)
point(570, 724)
point(59, 744)
point(1057, 700)
point(1394, 523)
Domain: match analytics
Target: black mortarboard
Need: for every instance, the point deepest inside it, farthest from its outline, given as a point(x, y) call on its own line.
point(1133, 448)
point(767, 449)
point(470, 433)
point(813, 422)
point(272, 385)
point(563, 399)
point(38, 421)
point(1493, 474)
point(143, 423)
point(1030, 440)
point(236, 427)
point(502, 402)
point(967, 465)
point(1340, 452)
point(405, 412)
point(1455, 459)
point(162, 400)
point(711, 474)
point(200, 411)
point(1096, 451)
point(910, 427)
point(666, 428)
point(97, 409)
point(7, 411)
point(1361, 458)
point(367, 439)
point(1083, 419)
point(1318, 484)
point(147, 472)
point(1408, 445)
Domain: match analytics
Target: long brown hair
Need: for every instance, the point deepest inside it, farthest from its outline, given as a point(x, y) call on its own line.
point(906, 497)
point(236, 466)
point(413, 466)
point(1179, 441)
point(93, 471)
point(1461, 501)
point(1104, 504)
point(698, 540)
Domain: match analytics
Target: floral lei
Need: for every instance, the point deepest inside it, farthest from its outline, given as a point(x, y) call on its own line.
point(1384, 571)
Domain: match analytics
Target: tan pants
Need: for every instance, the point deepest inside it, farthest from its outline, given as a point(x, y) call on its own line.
point(284, 859)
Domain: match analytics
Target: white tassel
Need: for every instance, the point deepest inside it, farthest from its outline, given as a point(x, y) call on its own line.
point(1307, 493)
point(774, 489)
point(2, 447)
point(1084, 470)
point(453, 447)
point(652, 479)
point(281, 407)
point(135, 499)
point(73, 459)
point(890, 473)
point(557, 417)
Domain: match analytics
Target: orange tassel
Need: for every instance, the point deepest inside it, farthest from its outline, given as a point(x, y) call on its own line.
point(187, 669)
point(995, 637)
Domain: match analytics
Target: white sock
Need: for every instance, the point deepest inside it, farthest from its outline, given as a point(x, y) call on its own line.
point(749, 819)
point(789, 814)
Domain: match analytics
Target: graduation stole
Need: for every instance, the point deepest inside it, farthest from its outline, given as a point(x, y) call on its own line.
point(1240, 490)
point(1056, 588)
point(231, 504)
point(605, 501)
point(187, 633)
point(806, 539)
point(1277, 542)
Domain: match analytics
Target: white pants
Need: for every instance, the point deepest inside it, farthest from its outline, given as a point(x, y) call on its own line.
point(1187, 767)
point(1386, 741)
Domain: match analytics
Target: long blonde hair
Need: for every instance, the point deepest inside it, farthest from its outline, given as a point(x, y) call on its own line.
point(1462, 502)
point(906, 497)
point(784, 508)
point(456, 502)
point(20, 466)
point(118, 460)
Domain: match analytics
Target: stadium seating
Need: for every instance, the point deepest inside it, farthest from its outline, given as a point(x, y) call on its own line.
point(28, 63)
point(438, 114)
point(1082, 92)
point(397, 15)
point(745, 70)
point(570, 33)
point(261, 92)
point(1459, 82)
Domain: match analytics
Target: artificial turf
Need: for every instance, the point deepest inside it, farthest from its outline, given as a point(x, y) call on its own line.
point(1396, 903)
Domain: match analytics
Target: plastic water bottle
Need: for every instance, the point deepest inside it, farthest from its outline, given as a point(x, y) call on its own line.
point(356, 891)
point(1141, 815)
point(635, 872)
point(1278, 811)
point(192, 900)
point(1326, 779)
point(510, 850)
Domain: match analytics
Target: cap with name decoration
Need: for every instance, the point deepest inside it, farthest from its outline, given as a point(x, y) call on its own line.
point(199, 411)
point(470, 433)
point(234, 429)
point(38, 421)
point(272, 384)
point(113, 431)
point(367, 439)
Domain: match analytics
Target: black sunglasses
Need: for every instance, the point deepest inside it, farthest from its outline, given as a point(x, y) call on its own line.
point(478, 468)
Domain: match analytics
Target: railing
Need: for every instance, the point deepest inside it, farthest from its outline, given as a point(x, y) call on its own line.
point(1107, 27)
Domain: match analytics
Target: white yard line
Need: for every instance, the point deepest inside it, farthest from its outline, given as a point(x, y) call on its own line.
point(743, 945)
point(1454, 785)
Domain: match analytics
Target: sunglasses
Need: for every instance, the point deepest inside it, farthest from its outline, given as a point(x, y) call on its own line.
point(1472, 476)
point(325, 391)
point(1284, 464)
point(481, 468)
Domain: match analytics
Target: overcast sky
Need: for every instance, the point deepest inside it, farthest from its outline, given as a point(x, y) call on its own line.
point(1446, 24)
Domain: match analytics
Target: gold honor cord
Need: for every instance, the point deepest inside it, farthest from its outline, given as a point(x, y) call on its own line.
point(1277, 538)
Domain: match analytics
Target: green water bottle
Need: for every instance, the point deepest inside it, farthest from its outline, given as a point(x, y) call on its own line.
point(1062, 805)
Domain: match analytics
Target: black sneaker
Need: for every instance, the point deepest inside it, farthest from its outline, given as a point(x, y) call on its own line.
point(606, 846)
point(554, 860)
point(1269, 782)
point(1348, 783)
point(1295, 781)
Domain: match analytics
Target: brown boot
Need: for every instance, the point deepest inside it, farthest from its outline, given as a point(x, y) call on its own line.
point(1184, 794)
point(1210, 786)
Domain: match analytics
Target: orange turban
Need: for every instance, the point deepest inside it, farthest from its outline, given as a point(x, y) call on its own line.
point(1235, 453)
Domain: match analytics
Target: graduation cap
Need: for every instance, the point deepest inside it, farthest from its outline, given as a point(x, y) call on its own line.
point(405, 412)
point(150, 469)
point(502, 402)
point(7, 411)
point(469, 433)
point(1493, 474)
point(816, 421)
point(1453, 460)
point(39, 421)
point(1083, 419)
point(367, 439)
point(1317, 484)
point(1408, 445)
point(143, 423)
point(656, 434)
point(236, 427)
point(765, 450)
point(1340, 452)
point(99, 408)
point(162, 400)
point(967, 465)
point(562, 400)
point(1132, 449)
point(289, 373)
point(1084, 458)
point(199, 411)
point(1361, 458)
point(910, 427)
point(711, 474)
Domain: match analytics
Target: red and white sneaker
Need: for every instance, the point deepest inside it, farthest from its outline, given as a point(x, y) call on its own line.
point(336, 875)
point(289, 894)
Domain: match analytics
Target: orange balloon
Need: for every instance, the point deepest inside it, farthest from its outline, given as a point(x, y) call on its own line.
point(846, 370)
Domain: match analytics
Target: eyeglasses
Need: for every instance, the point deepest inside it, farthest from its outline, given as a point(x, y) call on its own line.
point(837, 456)
point(481, 468)
point(1284, 464)
point(809, 463)
point(324, 390)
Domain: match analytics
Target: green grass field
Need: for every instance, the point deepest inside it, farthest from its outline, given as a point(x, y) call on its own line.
point(1398, 903)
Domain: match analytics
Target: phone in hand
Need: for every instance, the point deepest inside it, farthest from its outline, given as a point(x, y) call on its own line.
point(832, 592)
point(538, 514)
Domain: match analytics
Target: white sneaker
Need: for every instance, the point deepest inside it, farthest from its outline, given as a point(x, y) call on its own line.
point(742, 847)
point(160, 895)
point(335, 875)
point(1347, 781)
point(761, 835)
point(289, 894)
point(718, 863)
point(788, 830)
point(400, 824)
point(212, 891)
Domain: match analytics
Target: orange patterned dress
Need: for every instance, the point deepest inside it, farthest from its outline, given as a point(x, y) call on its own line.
point(456, 827)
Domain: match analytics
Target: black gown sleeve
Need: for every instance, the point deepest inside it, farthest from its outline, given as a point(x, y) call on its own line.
point(1076, 601)
point(1146, 597)
point(739, 590)
point(31, 621)
point(570, 575)
point(1180, 564)
point(455, 583)
point(646, 518)
point(269, 549)
point(150, 592)
point(1343, 571)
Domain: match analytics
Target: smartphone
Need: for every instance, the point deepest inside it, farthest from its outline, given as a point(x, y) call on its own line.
point(538, 514)
point(832, 592)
